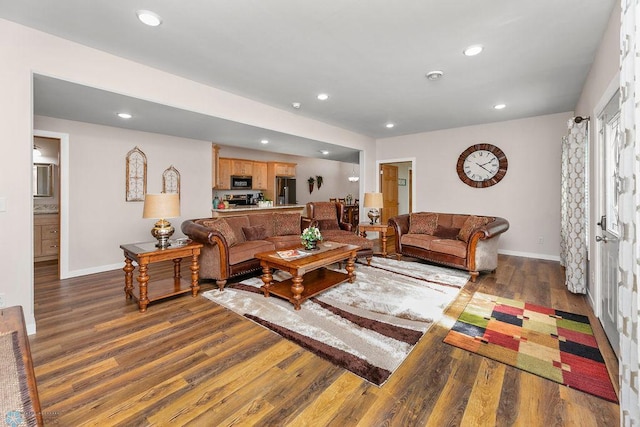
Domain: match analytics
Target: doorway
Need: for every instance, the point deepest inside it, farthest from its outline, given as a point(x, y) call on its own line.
point(608, 140)
point(396, 183)
point(61, 197)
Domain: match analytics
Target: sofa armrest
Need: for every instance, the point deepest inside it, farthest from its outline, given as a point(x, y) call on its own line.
point(346, 226)
point(400, 225)
point(499, 225)
point(207, 236)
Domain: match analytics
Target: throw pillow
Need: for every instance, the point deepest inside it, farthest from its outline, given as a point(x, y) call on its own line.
point(423, 223)
point(446, 232)
point(286, 224)
point(256, 232)
point(470, 225)
point(223, 228)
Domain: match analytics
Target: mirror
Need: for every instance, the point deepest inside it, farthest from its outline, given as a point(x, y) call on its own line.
point(42, 180)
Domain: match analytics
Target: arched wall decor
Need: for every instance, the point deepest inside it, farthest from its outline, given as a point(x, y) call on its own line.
point(171, 180)
point(136, 176)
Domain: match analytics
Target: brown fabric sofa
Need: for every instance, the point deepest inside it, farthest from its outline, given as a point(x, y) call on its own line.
point(467, 242)
point(230, 243)
point(329, 218)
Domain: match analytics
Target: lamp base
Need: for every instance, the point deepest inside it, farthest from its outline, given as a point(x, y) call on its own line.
point(162, 231)
point(373, 215)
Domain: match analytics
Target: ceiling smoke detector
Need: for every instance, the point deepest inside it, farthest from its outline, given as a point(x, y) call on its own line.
point(434, 75)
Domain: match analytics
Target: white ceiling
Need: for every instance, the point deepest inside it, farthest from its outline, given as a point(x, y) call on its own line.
point(370, 56)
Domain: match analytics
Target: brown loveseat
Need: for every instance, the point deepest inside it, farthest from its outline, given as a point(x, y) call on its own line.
point(329, 218)
point(230, 243)
point(466, 242)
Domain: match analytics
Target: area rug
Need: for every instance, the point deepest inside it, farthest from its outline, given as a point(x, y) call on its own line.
point(553, 344)
point(367, 327)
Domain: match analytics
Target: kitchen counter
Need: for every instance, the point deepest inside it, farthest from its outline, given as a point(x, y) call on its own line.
point(253, 209)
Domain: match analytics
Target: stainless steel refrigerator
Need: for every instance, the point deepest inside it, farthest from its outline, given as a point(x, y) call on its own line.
point(285, 191)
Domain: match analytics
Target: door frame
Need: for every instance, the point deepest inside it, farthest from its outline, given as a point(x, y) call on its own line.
point(63, 207)
point(414, 176)
point(594, 294)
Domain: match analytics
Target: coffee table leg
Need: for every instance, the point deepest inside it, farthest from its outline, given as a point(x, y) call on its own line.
point(351, 267)
point(267, 278)
point(128, 278)
point(195, 275)
point(296, 289)
point(143, 278)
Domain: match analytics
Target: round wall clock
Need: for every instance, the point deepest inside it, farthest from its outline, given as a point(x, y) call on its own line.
point(482, 165)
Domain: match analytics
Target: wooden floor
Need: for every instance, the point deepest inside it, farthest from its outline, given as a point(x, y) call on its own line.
point(188, 361)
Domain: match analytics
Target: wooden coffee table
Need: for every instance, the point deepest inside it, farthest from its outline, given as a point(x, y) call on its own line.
point(310, 275)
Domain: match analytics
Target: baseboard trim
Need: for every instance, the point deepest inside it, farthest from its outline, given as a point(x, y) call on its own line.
point(530, 255)
point(93, 270)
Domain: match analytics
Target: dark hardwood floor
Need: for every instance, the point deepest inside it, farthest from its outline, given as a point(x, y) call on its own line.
point(188, 361)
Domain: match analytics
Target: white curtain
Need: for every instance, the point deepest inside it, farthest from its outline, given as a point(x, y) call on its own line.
point(573, 205)
point(629, 215)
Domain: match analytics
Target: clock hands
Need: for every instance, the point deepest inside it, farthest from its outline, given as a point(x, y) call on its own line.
point(482, 166)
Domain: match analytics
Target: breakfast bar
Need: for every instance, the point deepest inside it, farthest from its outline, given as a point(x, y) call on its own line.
point(253, 209)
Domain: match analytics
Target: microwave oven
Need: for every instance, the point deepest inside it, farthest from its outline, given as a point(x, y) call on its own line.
point(241, 183)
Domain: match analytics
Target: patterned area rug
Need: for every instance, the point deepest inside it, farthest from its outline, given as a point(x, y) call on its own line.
point(553, 344)
point(367, 327)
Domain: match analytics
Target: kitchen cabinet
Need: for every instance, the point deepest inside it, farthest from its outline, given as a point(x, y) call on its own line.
point(46, 237)
point(224, 174)
point(259, 175)
point(240, 167)
point(284, 169)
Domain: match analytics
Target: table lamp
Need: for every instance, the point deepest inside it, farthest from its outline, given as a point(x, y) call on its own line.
point(162, 206)
point(373, 201)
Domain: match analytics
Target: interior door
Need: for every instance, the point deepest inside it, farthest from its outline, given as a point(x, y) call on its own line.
point(610, 143)
point(389, 189)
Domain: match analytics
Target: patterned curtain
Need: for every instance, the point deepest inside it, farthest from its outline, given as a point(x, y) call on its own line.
point(573, 227)
point(629, 218)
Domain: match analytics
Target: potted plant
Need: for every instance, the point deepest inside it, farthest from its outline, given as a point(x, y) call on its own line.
point(311, 181)
point(319, 180)
point(310, 237)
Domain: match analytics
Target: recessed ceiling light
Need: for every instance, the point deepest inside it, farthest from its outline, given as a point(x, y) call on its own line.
point(323, 97)
point(434, 75)
point(324, 152)
point(264, 141)
point(149, 18)
point(389, 125)
point(473, 50)
point(499, 106)
point(124, 115)
point(296, 105)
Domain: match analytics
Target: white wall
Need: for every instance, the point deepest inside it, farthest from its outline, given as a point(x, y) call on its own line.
point(25, 51)
point(100, 218)
point(528, 196)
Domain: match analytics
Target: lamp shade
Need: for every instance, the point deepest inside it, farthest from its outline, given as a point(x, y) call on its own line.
point(163, 205)
point(373, 200)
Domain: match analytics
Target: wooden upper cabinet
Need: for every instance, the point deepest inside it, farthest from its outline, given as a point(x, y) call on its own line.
point(284, 169)
point(259, 175)
point(215, 165)
point(224, 174)
point(241, 167)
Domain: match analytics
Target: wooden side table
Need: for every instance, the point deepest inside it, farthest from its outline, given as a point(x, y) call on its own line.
point(147, 253)
point(363, 227)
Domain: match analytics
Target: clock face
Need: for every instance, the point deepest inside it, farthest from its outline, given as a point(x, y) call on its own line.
point(482, 165)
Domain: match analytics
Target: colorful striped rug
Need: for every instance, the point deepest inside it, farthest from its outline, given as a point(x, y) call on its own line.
point(553, 344)
point(367, 327)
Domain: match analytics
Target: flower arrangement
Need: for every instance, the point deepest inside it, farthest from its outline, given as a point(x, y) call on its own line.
point(310, 236)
